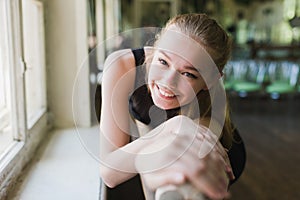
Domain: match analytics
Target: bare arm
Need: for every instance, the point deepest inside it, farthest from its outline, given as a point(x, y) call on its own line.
point(117, 155)
point(117, 83)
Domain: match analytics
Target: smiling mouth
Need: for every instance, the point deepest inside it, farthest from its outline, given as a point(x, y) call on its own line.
point(165, 93)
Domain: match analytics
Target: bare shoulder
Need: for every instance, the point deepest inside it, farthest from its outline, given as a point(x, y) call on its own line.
point(123, 59)
point(119, 73)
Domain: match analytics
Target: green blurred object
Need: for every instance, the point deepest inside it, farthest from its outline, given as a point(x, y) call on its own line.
point(246, 87)
point(280, 88)
point(228, 85)
point(228, 75)
point(247, 77)
point(283, 77)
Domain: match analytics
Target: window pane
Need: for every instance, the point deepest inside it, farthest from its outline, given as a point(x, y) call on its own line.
point(2, 88)
point(35, 81)
point(6, 136)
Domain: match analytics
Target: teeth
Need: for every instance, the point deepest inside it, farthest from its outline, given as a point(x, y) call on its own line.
point(166, 94)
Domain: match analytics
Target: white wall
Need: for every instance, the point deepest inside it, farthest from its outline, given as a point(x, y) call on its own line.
point(66, 50)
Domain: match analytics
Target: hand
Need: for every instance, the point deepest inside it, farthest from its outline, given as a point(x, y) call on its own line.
point(212, 178)
point(164, 162)
point(215, 174)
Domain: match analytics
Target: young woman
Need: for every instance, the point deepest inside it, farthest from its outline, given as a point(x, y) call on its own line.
point(164, 117)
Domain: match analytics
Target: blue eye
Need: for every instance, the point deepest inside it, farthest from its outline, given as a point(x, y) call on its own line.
point(162, 61)
point(189, 75)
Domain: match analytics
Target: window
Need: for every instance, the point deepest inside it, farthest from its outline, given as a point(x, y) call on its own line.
point(22, 86)
point(13, 73)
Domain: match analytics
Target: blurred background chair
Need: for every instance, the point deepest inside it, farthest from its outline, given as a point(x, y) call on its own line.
point(246, 77)
point(228, 75)
point(283, 78)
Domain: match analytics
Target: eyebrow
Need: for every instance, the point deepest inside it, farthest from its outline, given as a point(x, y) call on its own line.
point(192, 68)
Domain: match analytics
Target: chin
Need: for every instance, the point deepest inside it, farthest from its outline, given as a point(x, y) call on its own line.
point(165, 105)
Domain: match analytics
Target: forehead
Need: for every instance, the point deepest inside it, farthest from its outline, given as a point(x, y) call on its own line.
point(172, 40)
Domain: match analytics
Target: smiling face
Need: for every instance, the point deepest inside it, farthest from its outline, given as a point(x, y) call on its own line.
point(173, 81)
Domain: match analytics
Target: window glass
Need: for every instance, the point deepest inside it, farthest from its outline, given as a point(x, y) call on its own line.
point(6, 136)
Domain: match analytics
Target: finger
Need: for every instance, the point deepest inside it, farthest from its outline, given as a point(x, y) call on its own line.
point(212, 165)
point(226, 158)
point(210, 135)
point(205, 148)
point(208, 144)
point(208, 175)
point(223, 158)
point(210, 186)
point(221, 149)
point(217, 182)
point(195, 147)
point(205, 132)
point(217, 166)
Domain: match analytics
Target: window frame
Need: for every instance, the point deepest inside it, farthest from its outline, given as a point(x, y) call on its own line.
point(37, 63)
point(16, 72)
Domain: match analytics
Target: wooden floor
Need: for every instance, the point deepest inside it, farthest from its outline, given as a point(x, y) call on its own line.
point(271, 132)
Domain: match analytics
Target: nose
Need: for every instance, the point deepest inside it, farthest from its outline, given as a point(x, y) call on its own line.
point(171, 78)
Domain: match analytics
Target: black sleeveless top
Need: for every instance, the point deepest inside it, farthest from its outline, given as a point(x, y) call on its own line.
point(132, 189)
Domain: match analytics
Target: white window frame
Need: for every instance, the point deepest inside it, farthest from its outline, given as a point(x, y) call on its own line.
point(35, 77)
point(18, 128)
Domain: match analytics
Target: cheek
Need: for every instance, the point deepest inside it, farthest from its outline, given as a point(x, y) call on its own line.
point(187, 89)
point(152, 75)
point(192, 89)
point(155, 73)
point(199, 87)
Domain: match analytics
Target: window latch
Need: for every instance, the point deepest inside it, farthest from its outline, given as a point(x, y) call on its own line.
point(23, 66)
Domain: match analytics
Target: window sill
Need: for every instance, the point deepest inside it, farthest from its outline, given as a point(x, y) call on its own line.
point(61, 169)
